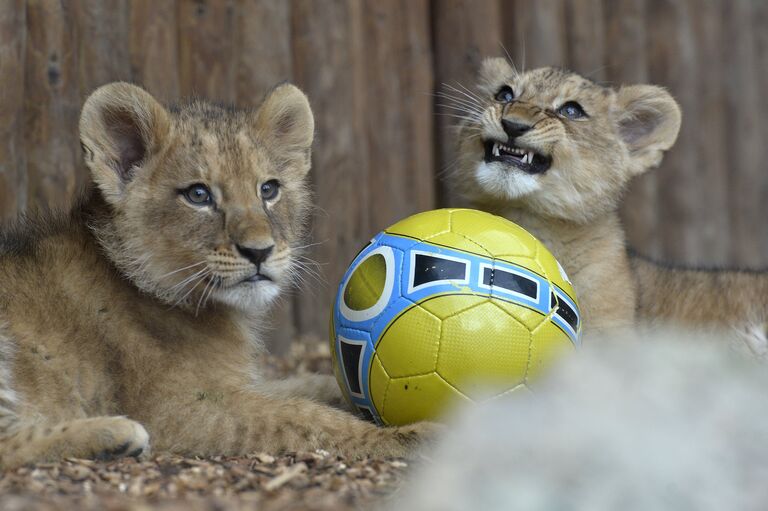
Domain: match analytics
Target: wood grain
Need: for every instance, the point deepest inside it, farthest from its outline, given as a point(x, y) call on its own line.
point(535, 32)
point(672, 62)
point(264, 56)
point(398, 110)
point(207, 49)
point(103, 49)
point(585, 30)
point(154, 48)
point(707, 129)
point(744, 136)
point(51, 104)
point(12, 158)
point(759, 18)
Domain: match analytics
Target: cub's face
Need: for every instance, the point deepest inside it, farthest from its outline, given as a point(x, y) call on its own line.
point(555, 143)
point(207, 204)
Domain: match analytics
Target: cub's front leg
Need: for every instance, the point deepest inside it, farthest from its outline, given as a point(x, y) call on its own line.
point(322, 388)
point(244, 421)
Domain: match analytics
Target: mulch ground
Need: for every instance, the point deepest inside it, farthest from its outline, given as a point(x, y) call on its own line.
point(296, 481)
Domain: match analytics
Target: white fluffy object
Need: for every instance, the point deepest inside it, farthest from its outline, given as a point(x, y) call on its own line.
point(671, 423)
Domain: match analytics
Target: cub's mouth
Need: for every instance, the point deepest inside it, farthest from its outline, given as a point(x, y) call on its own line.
point(256, 277)
point(509, 154)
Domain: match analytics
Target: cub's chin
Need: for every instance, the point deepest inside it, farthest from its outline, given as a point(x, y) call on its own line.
point(505, 182)
point(249, 294)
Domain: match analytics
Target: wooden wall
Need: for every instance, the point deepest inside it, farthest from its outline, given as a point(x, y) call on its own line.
point(371, 68)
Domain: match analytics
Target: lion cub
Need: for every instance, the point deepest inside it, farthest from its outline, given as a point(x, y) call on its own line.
point(554, 152)
point(133, 316)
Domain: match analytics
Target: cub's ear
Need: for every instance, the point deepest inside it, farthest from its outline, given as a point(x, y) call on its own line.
point(648, 122)
point(121, 127)
point(493, 73)
point(285, 119)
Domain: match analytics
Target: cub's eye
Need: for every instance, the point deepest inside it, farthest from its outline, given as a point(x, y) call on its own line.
point(269, 189)
point(198, 194)
point(572, 110)
point(505, 94)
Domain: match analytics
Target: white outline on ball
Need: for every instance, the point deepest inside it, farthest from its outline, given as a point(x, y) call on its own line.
point(389, 283)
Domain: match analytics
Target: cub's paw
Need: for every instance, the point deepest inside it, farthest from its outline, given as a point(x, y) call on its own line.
point(419, 435)
point(409, 441)
point(109, 438)
point(101, 438)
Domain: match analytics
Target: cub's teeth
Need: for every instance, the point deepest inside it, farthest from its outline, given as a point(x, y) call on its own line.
point(528, 158)
point(496, 149)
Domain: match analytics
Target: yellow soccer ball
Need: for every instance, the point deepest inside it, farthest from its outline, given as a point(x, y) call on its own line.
point(448, 306)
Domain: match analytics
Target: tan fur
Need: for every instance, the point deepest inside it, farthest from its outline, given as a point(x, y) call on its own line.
point(572, 206)
point(128, 319)
point(702, 298)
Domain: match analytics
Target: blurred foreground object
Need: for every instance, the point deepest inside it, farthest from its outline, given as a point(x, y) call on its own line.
point(676, 422)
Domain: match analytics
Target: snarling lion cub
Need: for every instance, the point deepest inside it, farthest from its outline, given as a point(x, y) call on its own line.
point(134, 317)
point(554, 152)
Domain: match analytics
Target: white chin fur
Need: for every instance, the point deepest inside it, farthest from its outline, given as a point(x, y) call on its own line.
point(249, 296)
point(497, 180)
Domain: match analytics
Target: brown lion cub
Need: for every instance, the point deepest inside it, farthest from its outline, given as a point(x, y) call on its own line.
point(553, 152)
point(134, 317)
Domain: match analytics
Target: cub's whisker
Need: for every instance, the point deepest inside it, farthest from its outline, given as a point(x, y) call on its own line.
point(455, 116)
point(200, 279)
point(301, 247)
point(187, 280)
point(202, 295)
point(469, 94)
point(180, 269)
point(453, 103)
point(458, 100)
point(474, 113)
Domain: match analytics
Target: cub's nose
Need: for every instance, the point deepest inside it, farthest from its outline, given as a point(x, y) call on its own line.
point(514, 129)
point(255, 255)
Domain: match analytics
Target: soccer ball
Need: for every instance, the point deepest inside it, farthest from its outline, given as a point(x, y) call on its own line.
point(448, 306)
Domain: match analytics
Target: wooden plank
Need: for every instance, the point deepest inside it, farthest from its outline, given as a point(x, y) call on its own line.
point(625, 35)
point(398, 115)
point(759, 22)
point(102, 43)
point(627, 63)
point(464, 33)
point(535, 32)
point(744, 134)
point(12, 165)
point(672, 63)
point(264, 48)
point(712, 219)
point(416, 85)
point(265, 59)
point(154, 48)
point(327, 49)
point(586, 38)
point(207, 49)
point(52, 104)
